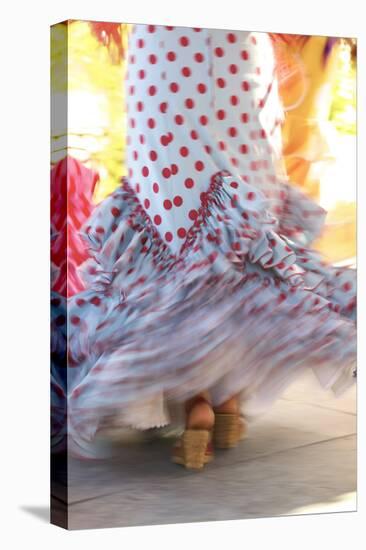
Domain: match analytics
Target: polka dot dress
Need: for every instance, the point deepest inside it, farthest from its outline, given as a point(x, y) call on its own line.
point(199, 273)
point(199, 101)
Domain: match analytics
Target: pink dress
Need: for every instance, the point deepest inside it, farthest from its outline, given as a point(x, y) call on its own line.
point(200, 274)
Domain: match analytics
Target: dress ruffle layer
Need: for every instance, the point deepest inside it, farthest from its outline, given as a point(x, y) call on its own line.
point(241, 309)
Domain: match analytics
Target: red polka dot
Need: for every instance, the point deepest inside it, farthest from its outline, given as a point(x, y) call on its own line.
point(245, 86)
point(181, 232)
point(152, 59)
point(167, 204)
point(186, 71)
point(164, 140)
point(174, 87)
point(244, 55)
point(347, 286)
point(194, 134)
point(174, 169)
point(221, 82)
point(282, 297)
point(151, 123)
point(234, 184)
point(199, 166)
point(184, 41)
point(243, 149)
point(145, 171)
point(80, 302)
point(198, 57)
point(184, 151)
point(244, 117)
point(75, 320)
point(147, 203)
point(168, 236)
point(232, 131)
point(234, 100)
point(153, 155)
point(152, 90)
point(178, 201)
point(137, 187)
point(189, 183)
point(208, 149)
point(156, 187)
point(219, 52)
point(142, 139)
point(189, 103)
point(163, 107)
point(201, 88)
point(254, 40)
point(250, 196)
point(157, 219)
point(100, 229)
point(222, 146)
point(233, 68)
point(203, 120)
point(115, 211)
point(166, 173)
point(193, 214)
point(140, 106)
point(231, 37)
point(141, 74)
point(151, 28)
point(179, 119)
point(221, 114)
point(140, 43)
point(171, 56)
point(95, 301)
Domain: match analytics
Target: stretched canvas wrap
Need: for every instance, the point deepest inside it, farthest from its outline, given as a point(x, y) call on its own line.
point(203, 281)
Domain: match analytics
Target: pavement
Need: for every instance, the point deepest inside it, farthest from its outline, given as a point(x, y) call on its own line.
point(300, 457)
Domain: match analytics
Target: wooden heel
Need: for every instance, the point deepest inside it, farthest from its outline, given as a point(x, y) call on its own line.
point(227, 430)
point(194, 448)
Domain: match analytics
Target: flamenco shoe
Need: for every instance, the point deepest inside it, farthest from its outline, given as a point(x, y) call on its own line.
point(194, 448)
point(229, 429)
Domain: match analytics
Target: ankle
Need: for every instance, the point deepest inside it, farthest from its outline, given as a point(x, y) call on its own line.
point(230, 406)
point(200, 417)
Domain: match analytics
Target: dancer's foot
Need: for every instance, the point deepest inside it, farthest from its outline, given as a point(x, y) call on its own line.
point(199, 413)
point(230, 406)
point(194, 449)
point(230, 427)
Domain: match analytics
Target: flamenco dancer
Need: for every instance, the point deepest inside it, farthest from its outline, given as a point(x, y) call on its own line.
point(201, 288)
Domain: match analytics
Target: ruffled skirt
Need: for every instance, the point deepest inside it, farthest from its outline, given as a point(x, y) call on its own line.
point(242, 310)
